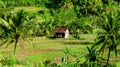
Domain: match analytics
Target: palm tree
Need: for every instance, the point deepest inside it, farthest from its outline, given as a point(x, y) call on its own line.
point(109, 37)
point(15, 26)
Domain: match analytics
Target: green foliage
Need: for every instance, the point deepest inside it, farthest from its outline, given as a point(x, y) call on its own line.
point(45, 28)
point(93, 55)
point(2, 5)
point(55, 4)
point(85, 7)
point(9, 3)
point(76, 14)
point(8, 61)
point(15, 26)
point(109, 38)
point(80, 16)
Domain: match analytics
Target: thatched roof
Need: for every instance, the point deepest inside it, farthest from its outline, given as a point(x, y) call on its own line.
point(60, 29)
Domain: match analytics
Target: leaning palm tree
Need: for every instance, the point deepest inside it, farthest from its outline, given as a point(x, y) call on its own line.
point(109, 37)
point(14, 27)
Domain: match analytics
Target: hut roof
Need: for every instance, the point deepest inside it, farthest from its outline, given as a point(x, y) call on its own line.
point(60, 29)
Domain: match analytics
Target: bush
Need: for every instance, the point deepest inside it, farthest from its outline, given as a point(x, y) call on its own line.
point(8, 61)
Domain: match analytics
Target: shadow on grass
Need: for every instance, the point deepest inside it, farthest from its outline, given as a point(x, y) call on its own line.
point(79, 43)
point(71, 64)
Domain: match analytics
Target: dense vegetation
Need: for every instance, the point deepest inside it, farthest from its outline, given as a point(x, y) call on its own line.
point(78, 15)
point(19, 20)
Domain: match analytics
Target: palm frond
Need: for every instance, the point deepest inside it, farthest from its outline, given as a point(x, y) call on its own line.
point(89, 50)
point(5, 29)
point(103, 46)
point(4, 42)
point(9, 43)
point(3, 22)
point(98, 42)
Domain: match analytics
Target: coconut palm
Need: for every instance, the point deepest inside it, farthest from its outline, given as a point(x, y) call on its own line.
point(14, 27)
point(109, 37)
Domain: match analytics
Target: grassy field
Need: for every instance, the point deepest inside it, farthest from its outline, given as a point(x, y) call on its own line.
point(41, 46)
point(41, 49)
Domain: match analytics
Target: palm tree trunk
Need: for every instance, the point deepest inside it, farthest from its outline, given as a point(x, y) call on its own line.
point(15, 46)
point(107, 63)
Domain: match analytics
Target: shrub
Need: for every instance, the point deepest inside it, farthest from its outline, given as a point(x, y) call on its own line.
point(8, 61)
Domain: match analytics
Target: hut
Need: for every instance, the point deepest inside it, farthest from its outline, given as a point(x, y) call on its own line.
point(61, 32)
